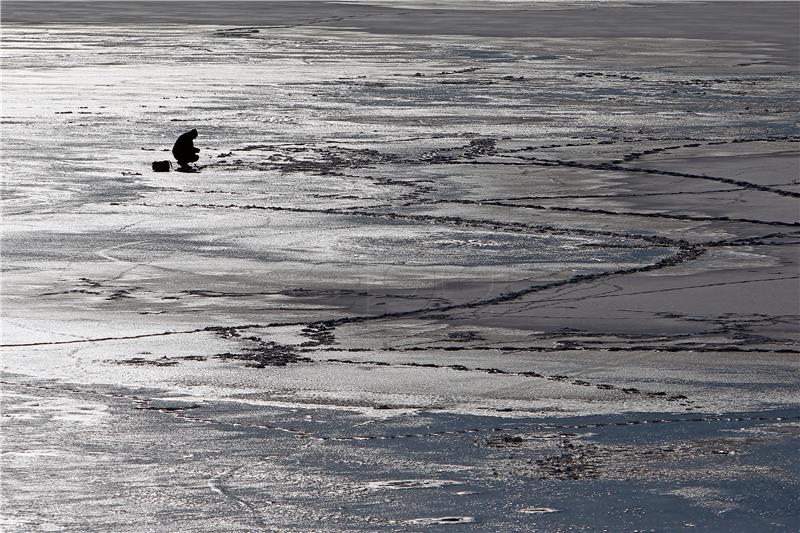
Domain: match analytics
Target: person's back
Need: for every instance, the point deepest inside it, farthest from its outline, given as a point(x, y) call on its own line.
point(185, 151)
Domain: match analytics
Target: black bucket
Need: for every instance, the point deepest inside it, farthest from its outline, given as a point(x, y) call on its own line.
point(161, 166)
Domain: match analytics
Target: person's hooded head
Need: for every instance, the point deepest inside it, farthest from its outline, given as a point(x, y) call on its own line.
point(194, 133)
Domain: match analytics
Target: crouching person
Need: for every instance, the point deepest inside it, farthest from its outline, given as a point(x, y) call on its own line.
point(185, 152)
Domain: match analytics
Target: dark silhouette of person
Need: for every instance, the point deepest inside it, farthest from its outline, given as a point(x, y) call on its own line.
point(184, 150)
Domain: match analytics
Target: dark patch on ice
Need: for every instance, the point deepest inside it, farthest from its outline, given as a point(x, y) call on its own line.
point(320, 333)
point(265, 353)
point(465, 336)
point(141, 361)
point(504, 441)
point(580, 460)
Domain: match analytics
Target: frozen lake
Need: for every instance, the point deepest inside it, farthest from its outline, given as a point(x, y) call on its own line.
point(504, 267)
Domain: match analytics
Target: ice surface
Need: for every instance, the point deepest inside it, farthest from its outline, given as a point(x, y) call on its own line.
point(535, 263)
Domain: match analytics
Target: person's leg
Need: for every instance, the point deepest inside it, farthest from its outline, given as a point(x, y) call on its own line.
point(186, 159)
